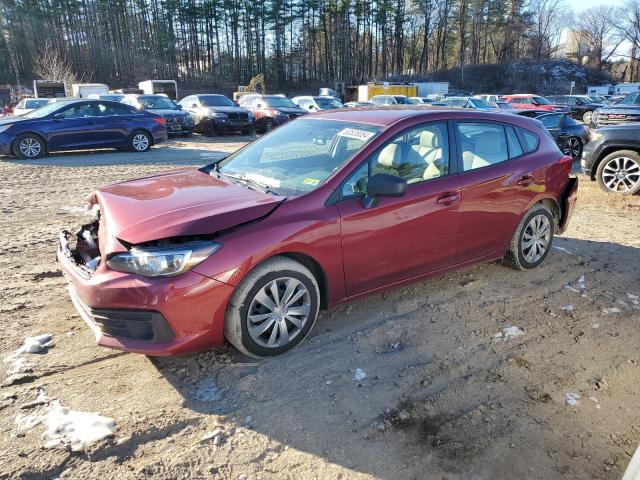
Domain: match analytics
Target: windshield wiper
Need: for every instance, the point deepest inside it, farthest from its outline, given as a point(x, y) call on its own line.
point(248, 182)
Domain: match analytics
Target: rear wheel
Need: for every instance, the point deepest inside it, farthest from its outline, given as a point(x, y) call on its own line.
point(573, 147)
point(273, 309)
point(586, 117)
point(28, 146)
point(532, 240)
point(619, 173)
point(140, 141)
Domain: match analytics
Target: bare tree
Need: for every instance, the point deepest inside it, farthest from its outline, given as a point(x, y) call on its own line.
point(598, 25)
point(51, 64)
point(548, 20)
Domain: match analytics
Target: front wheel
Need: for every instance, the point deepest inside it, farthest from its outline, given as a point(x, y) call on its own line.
point(586, 117)
point(573, 147)
point(140, 141)
point(532, 240)
point(250, 130)
point(28, 146)
point(268, 125)
point(619, 173)
point(273, 309)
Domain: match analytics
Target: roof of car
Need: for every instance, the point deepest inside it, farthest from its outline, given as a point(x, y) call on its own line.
point(521, 95)
point(391, 114)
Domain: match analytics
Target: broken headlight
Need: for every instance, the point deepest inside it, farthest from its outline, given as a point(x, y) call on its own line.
point(163, 261)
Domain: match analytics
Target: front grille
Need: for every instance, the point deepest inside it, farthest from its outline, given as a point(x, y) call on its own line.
point(238, 115)
point(171, 119)
point(148, 326)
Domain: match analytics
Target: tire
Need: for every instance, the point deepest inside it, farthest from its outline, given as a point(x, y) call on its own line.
point(519, 256)
point(619, 172)
point(140, 141)
point(573, 146)
point(244, 302)
point(209, 129)
point(249, 130)
point(28, 146)
point(268, 125)
point(586, 117)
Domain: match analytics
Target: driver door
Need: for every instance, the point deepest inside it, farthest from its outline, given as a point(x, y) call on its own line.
point(75, 127)
point(402, 237)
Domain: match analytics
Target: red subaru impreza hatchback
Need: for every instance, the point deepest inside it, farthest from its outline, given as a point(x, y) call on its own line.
point(323, 210)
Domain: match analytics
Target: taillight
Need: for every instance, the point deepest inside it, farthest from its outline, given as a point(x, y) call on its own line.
point(566, 162)
point(160, 120)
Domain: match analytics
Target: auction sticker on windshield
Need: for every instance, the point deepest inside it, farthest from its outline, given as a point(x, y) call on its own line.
point(356, 134)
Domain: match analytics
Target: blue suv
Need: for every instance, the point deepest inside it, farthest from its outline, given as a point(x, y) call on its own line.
point(80, 125)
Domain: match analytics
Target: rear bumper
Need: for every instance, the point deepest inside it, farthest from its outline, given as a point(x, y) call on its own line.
point(160, 135)
point(180, 130)
point(5, 144)
point(569, 198)
point(169, 316)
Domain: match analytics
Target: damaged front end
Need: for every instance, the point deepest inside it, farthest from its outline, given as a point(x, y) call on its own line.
point(82, 246)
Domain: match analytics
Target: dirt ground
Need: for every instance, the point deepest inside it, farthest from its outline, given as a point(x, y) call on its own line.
point(442, 398)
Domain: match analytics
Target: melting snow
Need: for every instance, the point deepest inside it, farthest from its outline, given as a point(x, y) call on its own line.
point(359, 375)
point(19, 364)
point(606, 311)
point(572, 398)
point(507, 333)
point(562, 249)
point(568, 308)
point(579, 286)
point(68, 428)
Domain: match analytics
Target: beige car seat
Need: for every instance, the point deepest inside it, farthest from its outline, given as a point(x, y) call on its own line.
point(424, 155)
point(389, 160)
point(490, 148)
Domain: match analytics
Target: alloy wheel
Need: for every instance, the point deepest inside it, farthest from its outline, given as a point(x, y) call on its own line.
point(278, 312)
point(586, 118)
point(572, 147)
point(30, 147)
point(621, 174)
point(268, 126)
point(140, 142)
point(535, 239)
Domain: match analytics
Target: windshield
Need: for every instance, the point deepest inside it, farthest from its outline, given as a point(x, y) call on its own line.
point(44, 111)
point(157, 103)
point(541, 101)
point(279, 102)
point(299, 156)
point(36, 103)
point(631, 99)
point(215, 101)
point(326, 103)
point(479, 103)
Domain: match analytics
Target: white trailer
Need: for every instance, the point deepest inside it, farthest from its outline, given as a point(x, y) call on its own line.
point(432, 88)
point(83, 90)
point(600, 90)
point(626, 87)
point(155, 87)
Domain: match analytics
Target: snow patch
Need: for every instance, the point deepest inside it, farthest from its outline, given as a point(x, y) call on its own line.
point(68, 428)
point(572, 398)
point(508, 333)
point(606, 311)
point(359, 375)
point(562, 249)
point(578, 286)
point(568, 308)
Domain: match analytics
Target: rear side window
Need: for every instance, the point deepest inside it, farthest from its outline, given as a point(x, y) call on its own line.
point(531, 141)
point(483, 144)
point(515, 149)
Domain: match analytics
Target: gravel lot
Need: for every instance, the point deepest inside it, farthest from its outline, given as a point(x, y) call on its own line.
point(442, 398)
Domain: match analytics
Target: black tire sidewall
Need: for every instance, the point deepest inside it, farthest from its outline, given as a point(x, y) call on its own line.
point(16, 146)
point(534, 213)
point(248, 342)
point(138, 132)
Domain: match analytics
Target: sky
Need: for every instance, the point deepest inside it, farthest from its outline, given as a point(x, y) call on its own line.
point(578, 5)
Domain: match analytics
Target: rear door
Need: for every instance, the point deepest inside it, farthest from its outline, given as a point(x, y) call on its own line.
point(399, 238)
point(114, 122)
point(499, 179)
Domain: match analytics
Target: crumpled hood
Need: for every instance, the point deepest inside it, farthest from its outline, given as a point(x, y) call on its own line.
point(183, 202)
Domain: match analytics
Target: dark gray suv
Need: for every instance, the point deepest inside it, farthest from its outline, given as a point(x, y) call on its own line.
point(625, 111)
point(215, 114)
point(612, 158)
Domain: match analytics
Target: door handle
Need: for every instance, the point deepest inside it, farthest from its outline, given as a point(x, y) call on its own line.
point(526, 180)
point(447, 198)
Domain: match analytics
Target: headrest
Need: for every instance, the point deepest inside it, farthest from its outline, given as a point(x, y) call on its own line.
point(389, 156)
point(429, 138)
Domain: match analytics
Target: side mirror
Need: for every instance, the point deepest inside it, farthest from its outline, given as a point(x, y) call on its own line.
point(384, 185)
point(58, 116)
point(179, 106)
point(194, 105)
